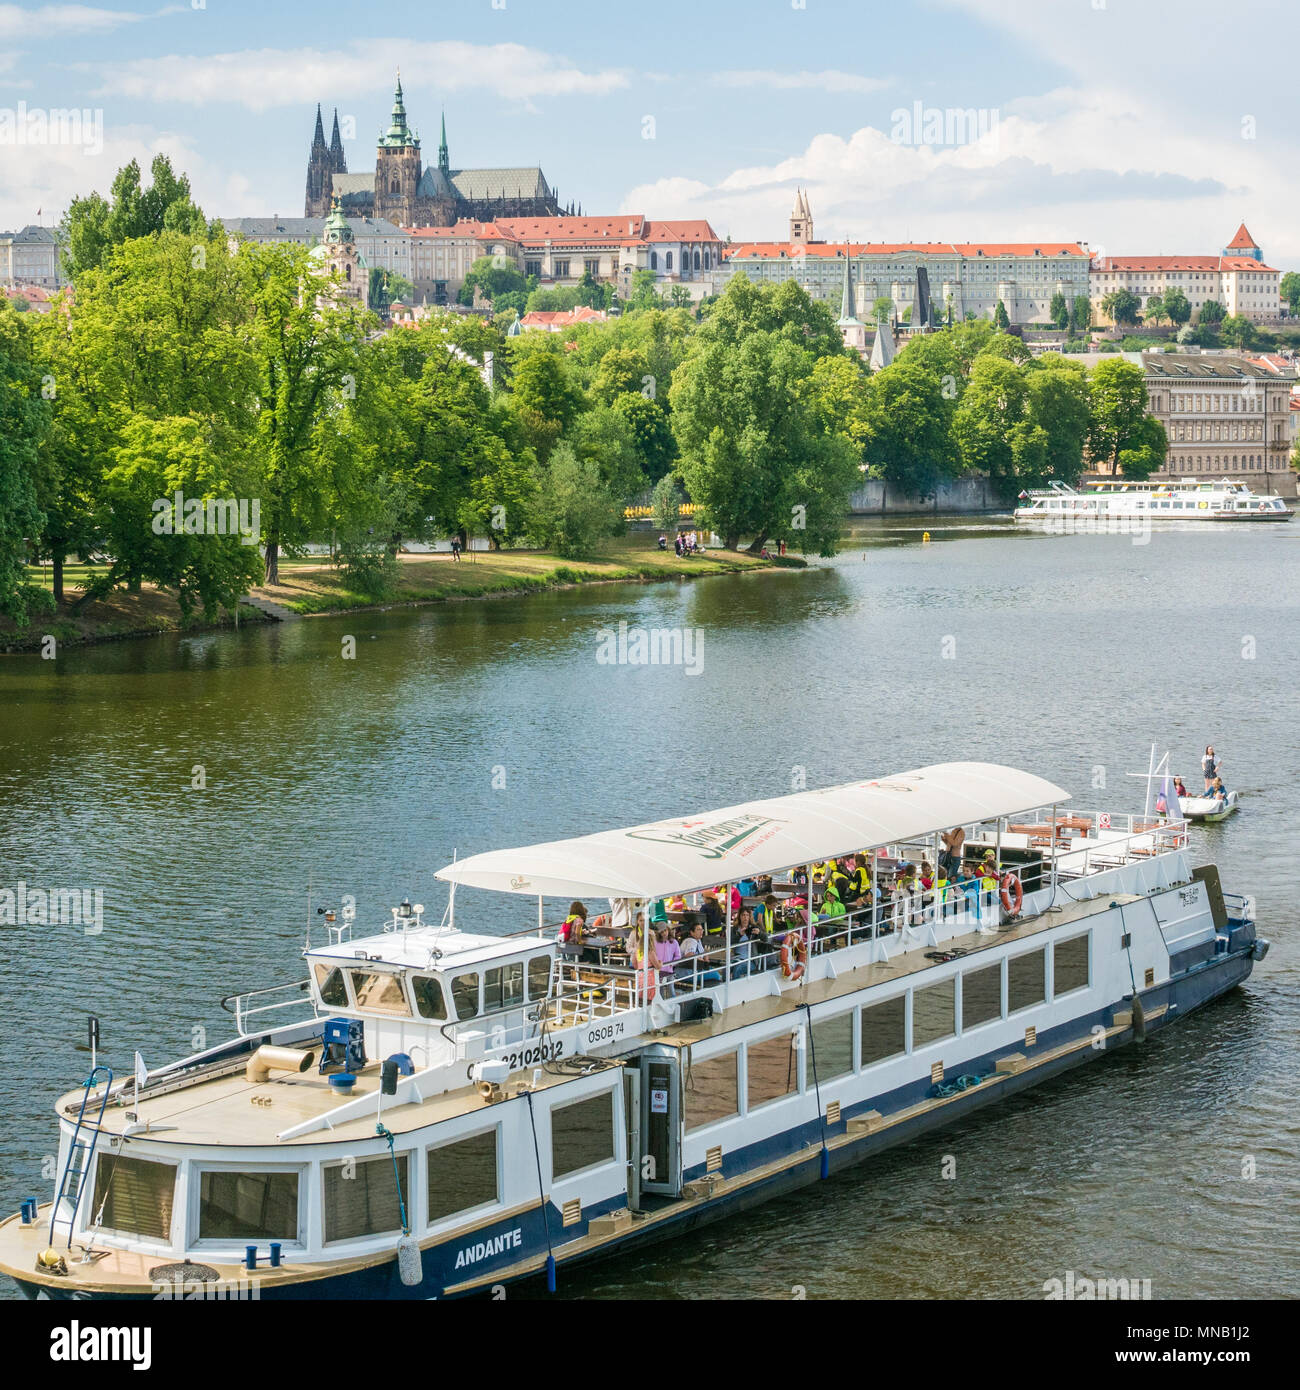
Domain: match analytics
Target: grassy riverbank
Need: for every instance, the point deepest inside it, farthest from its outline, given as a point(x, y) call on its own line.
point(310, 587)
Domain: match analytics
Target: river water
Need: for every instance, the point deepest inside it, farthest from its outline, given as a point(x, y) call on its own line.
point(478, 725)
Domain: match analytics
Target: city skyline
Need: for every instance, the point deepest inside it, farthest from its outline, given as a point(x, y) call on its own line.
point(940, 120)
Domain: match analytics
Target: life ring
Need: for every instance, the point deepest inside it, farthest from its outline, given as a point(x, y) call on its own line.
point(1012, 894)
point(1262, 507)
point(793, 946)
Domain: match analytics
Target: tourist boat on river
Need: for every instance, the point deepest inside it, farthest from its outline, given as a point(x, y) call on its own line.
point(1208, 808)
point(437, 1111)
point(1189, 499)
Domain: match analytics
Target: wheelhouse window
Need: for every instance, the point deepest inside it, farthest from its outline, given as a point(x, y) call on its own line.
point(248, 1206)
point(380, 992)
point(981, 996)
point(135, 1195)
point(582, 1134)
point(1026, 980)
point(464, 994)
point(832, 1047)
point(712, 1091)
point(773, 1066)
point(503, 986)
point(462, 1175)
point(539, 977)
point(1069, 966)
point(933, 1013)
point(361, 1197)
point(883, 1028)
point(429, 1000)
point(329, 984)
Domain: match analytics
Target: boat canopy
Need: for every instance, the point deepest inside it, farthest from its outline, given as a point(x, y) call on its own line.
point(759, 837)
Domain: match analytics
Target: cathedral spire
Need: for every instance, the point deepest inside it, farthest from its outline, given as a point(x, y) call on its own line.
point(338, 160)
point(444, 158)
point(318, 139)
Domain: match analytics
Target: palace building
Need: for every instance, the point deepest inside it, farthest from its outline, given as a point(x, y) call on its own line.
point(401, 189)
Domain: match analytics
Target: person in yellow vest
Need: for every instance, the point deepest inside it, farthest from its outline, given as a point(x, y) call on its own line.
point(574, 926)
point(831, 904)
point(988, 886)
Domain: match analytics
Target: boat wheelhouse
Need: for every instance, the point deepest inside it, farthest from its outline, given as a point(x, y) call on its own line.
point(437, 1111)
point(1187, 499)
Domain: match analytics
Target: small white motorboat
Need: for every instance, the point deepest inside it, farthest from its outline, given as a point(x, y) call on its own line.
point(1208, 808)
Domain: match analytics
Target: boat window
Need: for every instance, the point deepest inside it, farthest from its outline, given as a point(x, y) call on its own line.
point(503, 986)
point(712, 1092)
point(582, 1134)
point(329, 983)
point(539, 977)
point(248, 1206)
point(134, 1195)
point(981, 995)
point(773, 1069)
point(934, 1013)
point(832, 1047)
point(379, 991)
point(429, 1002)
point(462, 1175)
point(1069, 965)
point(361, 1197)
point(883, 1030)
point(464, 994)
point(1026, 980)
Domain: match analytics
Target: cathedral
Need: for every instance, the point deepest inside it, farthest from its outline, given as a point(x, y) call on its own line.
point(406, 192)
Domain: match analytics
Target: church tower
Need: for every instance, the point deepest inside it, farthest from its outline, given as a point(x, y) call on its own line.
point(319, 183)
point(801, 223)
point(338, 252)
point(338, 160)
point(444, 159)
point(397, 167)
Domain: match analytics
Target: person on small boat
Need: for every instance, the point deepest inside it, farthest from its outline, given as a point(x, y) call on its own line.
point(1179, 789)
point(1218, 791)
point(1209, 767)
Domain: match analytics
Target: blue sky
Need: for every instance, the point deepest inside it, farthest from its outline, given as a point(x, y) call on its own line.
point(1117, 121)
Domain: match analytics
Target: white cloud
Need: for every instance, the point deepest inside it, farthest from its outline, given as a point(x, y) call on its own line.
point(829, 80)
point(56, 21)
point(260, 79)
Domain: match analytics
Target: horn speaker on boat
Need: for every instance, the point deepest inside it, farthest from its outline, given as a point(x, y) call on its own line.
point(268, 1059)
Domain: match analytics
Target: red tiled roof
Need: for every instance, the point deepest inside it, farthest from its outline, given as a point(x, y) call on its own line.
point(482, 231)
point(1181, 263)
point(695, 230)
point(1244, 239)
point(779, 250)
point(562, 318)
point(624, 229)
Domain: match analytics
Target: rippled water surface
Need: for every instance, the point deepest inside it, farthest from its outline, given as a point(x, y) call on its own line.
point(1066, 656)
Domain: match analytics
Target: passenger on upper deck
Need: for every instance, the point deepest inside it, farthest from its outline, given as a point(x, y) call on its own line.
point(831, 904)
point(858, 891)
point(574, 926)
point(669, 953)
point(693, 955)
point(954, 841)
point(711, 911)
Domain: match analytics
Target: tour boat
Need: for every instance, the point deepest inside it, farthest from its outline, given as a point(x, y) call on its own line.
point(1207, 808)
point(1189, 499)
point(437, 1111)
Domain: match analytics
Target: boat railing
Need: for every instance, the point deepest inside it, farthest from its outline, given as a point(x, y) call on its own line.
point(274, 999)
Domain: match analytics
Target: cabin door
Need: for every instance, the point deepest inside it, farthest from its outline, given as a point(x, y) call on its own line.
point(660, 1167)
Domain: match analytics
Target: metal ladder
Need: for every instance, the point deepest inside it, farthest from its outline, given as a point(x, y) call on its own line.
point(80, 1152)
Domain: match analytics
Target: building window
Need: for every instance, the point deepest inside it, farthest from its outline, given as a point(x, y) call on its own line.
point(462, 1175)
point(560, 270)
point(380, 992)
point(134, 1196)
point(668, 260)
point(773, 1069)
point(503, 986)
point(539, 977)
point(582, 1134)
point(654, 260)
point(248, 1206)
point(1069, 966)
point(361, 1199)
point(592, 266)
point(464, 993)
point(711, 1091)
point(533, 268)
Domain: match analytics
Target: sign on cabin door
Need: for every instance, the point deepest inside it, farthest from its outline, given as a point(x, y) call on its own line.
point(661, 1126)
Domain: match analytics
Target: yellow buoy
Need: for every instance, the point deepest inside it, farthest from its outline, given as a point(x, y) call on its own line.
point(925, 538)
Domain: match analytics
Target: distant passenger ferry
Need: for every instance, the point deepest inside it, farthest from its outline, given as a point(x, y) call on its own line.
point(1189, 499)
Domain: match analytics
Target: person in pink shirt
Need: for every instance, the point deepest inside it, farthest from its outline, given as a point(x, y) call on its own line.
point(669, 953)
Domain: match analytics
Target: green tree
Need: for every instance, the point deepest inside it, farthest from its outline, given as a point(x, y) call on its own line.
point(24, 422)
point(93, 225)
point(621, 370)
point(591, 294)
point(1155, 309)
point(1007, 346)
point(643, 294)
point(1177, 309)
point(495, 276)
point(1058, 403)
point(882, 309)
point(1237, 331)
point(546, 392)
point(1080, 313)
point(1212, 313)
point(604, 435)
point(667, 499)
point(1121, 307)
point(1117, 396)
point(785, 309)
point(1289, 291)
point(909, 418)
point(1057, 312)
point(651, 430)
point(992, 427)
point(574, 509)
point(755, 452)
point(1000, 316)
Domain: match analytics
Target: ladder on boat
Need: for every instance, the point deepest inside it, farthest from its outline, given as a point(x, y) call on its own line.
point(80, 1152)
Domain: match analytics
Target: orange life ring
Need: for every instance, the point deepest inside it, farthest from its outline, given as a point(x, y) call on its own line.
point(793, 946)
point(1012, 894)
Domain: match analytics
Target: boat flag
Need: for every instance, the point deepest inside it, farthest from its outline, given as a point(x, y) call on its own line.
point(141, 1072)
point(1167, 803)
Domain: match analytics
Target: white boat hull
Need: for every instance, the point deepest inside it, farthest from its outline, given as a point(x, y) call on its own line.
point(1207, 808)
